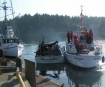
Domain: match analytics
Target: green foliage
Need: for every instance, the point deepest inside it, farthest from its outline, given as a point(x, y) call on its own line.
point(55, 27)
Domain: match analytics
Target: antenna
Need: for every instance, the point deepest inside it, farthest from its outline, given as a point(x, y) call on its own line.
point(5, 8)
point(81, 16)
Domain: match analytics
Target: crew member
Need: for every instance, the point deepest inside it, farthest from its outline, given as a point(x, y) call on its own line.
point(71, 36)
point(86, 36)
point(68, 36)
point(91, 36)
point(76, 42)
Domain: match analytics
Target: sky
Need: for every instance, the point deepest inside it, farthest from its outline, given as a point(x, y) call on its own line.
point(60, 7)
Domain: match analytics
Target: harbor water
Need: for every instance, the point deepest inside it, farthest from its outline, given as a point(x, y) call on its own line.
point(67, 74)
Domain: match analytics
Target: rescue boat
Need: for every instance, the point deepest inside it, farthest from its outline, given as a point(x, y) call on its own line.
point(90, 53)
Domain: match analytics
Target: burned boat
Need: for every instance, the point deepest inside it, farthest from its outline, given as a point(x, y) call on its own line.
point(49, 53)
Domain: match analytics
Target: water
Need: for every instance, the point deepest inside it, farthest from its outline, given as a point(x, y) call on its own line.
point(67, 74)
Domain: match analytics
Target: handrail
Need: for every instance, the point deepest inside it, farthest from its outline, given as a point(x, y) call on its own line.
point(97, 41)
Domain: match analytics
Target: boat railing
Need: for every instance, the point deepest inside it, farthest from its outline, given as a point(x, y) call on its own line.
point(84, 48)
point(97, 44)
point(98, 47)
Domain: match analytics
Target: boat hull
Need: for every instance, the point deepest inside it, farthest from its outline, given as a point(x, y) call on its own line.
point(50, 59)
point(84, 61)
point(13, 50)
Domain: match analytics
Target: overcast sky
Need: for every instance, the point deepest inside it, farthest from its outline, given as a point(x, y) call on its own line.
point(60, 7)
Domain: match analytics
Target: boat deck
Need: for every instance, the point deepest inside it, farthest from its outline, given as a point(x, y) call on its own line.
point(8, 78)
point(91, 53)
point(45, 82)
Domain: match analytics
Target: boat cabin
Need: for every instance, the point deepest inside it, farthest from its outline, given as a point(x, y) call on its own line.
point(12, 40)
point(9, 33)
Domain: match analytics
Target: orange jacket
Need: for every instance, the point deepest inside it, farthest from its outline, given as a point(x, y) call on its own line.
point(91, 33)
point(68, 33)
point(76, 41)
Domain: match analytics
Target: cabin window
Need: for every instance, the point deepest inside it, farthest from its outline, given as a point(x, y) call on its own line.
point(11, 41)
point(4, 40)
point(15, 40)
point(7, 40)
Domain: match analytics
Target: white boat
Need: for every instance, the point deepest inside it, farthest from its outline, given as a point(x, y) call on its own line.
point(89, 57)
point(8, 40)
point(49, 53)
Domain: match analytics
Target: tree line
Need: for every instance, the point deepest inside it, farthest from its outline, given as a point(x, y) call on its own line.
point(54, 27)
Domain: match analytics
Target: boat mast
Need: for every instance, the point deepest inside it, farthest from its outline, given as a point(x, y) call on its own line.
point(81, 16)
point(5, 8)
point(12, 8)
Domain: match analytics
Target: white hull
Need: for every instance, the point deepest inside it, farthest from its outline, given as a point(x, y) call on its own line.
point(50, 59)
point(84, 61)
point(8, 40)
point(13, 49)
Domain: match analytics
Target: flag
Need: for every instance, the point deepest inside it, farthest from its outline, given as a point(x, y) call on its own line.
point(81, 15)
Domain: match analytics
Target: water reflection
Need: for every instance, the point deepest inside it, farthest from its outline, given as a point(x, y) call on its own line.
point(54, 68)
point(83, 78)
point(72, 76)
